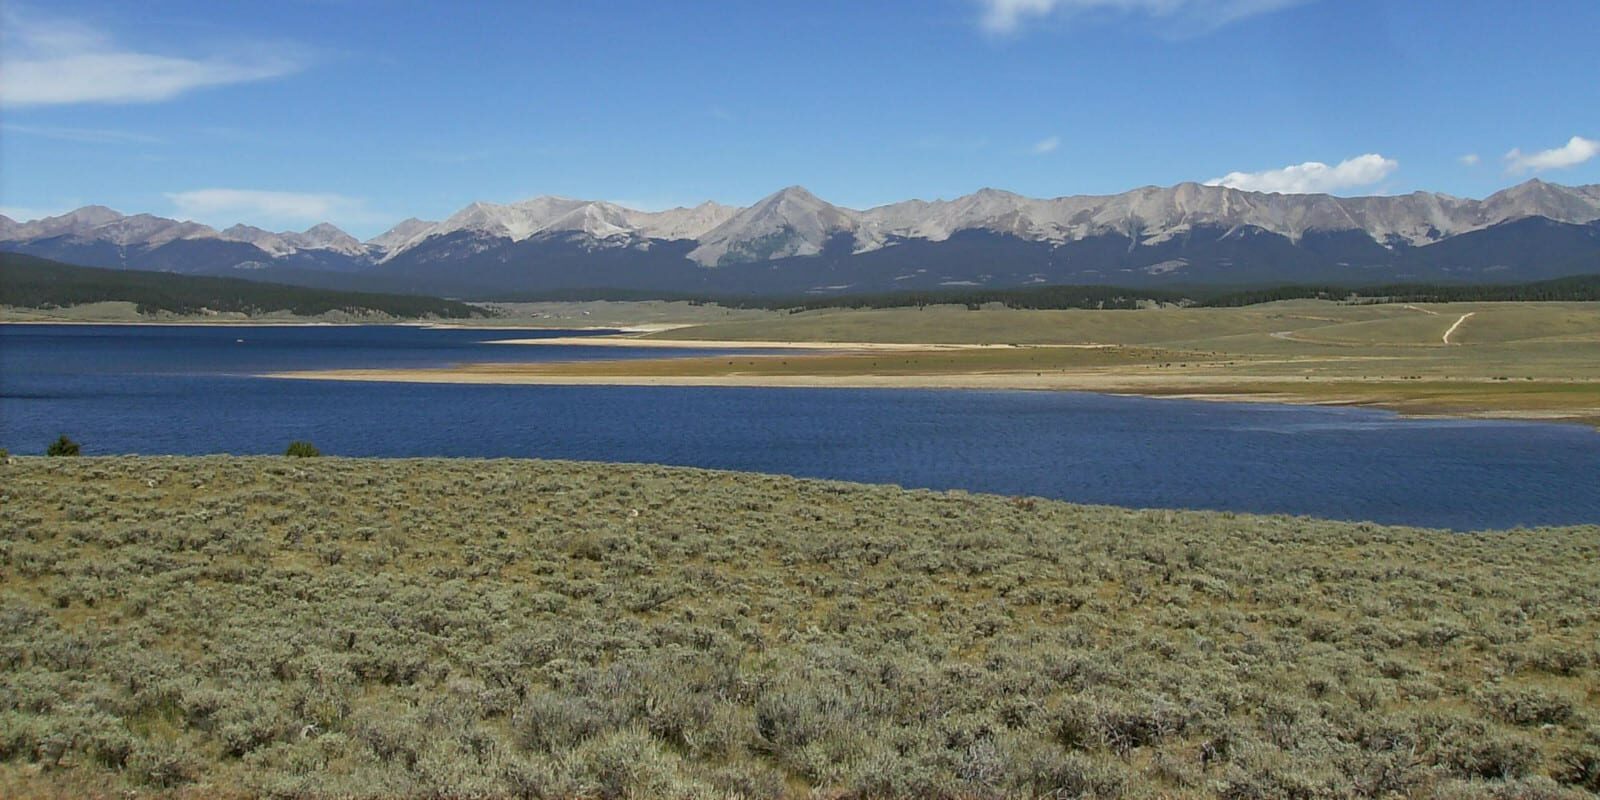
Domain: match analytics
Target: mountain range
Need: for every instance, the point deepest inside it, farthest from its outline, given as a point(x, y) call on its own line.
point(794, 242)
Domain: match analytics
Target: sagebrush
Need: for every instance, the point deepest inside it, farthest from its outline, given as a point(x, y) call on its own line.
point(435, 628)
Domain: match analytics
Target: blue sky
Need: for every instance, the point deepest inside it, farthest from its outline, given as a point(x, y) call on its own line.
point(364, 112)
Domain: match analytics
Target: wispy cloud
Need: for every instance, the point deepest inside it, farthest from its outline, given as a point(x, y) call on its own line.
point(1006, 16)
point(1312, 177)
point(267, 208)
point(1176, 17)
point(86, 135)
point(1045, 145)
point(1470, 159)
point(61, 62)
point(1576, 151)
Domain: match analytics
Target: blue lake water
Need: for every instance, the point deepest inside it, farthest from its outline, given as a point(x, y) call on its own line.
point(173, 389)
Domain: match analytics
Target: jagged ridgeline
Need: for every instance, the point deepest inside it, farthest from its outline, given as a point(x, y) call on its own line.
point(29, 282)
point(793, 242)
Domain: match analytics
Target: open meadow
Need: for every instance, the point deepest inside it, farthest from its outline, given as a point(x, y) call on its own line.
point(222, 627)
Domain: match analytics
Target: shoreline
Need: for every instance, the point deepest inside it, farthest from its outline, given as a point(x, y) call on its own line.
point(1113, 385)
point(434, 325)
point(771, 344)
point(246, 323)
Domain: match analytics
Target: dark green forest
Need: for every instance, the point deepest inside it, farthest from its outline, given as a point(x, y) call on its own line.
point(1575, 288)
point(30, 282)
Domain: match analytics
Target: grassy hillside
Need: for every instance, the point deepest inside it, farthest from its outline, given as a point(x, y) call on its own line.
point(29, 282)
point(211, 627)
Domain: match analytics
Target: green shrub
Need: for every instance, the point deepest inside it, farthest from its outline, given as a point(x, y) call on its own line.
point(1121, 727)
point(796, 715)
point(1490, 756)
point(1527, 707)
point(1049, 772)
point(164, 766)
point(62, 447)
point(1580, 766)
point(551, 722)
point(302, 449)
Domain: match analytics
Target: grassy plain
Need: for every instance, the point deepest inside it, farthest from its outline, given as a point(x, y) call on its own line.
point(1533, 360)
point(222, 627)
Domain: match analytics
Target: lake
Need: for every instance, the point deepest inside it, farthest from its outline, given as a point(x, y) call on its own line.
point(191, 389)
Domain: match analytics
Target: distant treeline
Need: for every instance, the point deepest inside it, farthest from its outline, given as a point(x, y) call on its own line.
point(1578, 287)
point(1033, 297)
point(29, 282)
point(1582, 287)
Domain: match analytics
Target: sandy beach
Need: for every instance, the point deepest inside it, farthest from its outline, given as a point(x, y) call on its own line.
point(1212, 388)
point(757, 344)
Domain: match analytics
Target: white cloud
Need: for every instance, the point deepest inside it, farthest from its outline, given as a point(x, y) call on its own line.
point(58, 62)
point(1191, 17)
point(264, 208)
point(1471, 159)
point(1045, 145)
point(1576, 151)
point(1312, 177)
point(1005, 16)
